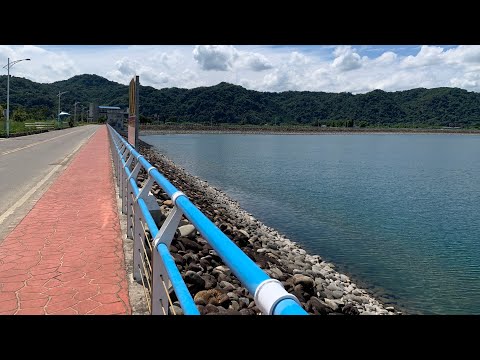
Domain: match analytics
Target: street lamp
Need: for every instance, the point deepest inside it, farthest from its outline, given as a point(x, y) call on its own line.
point(59, 96)
point(75, 113)
point(8, 66)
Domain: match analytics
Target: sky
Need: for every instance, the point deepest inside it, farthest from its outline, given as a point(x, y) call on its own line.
point(342, 68)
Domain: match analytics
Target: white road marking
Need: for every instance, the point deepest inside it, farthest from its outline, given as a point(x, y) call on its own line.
point(37, 143)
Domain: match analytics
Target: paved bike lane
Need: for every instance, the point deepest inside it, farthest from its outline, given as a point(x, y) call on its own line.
point(66, 256)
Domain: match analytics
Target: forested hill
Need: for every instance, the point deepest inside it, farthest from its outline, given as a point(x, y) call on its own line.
point(227, 103)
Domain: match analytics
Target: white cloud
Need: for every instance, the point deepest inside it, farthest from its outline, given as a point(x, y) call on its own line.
point(215, 57)
point(469, 81)
point(464, 83)
point(124, 70)
point(264, 68)
point(467, 55)
point(387, 57)
point(127, 67)
point(168, 60)
point(45, 66)
point(156, 72)
point(253, 61)
point(277, 80)
point(226, 58)
point(298, 59)
point(428, 55)
point(346, 59)
point(159, 79)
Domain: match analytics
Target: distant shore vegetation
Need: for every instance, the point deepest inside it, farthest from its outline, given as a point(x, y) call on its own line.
point(230, 104)
point(157, 128)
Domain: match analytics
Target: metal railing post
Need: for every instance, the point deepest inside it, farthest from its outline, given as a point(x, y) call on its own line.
point(123, 154)
point(115, 152)
point(160, 286)
point(130, 211)
point(160, 275)
point(119, 147)
point(131, 201)
point(138, 238)
point(123, 179)
point(119, 163)
point(125, 184)
point(125, 197)
point(122, 188)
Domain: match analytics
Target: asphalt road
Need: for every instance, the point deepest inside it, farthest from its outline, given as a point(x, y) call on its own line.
point(29, 165)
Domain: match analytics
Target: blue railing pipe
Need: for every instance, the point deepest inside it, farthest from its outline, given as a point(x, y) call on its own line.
point(163, 182)
point(148, 217)
point(176, 279)
point(269, 294)
point(134, 187)
point(249, 274)
point(288, 307)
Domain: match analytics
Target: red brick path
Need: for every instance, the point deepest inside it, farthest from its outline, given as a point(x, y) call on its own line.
point(66, 255)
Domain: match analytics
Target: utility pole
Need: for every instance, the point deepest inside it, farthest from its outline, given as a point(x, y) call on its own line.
point(75, 112)
point(59, 96)
point(8, 66)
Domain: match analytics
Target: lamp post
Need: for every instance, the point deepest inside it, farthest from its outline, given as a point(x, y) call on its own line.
point(59, 96)
point(75, 112)
point(8, 66)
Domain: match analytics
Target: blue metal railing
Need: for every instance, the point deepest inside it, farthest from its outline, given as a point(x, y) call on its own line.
point(269, 294)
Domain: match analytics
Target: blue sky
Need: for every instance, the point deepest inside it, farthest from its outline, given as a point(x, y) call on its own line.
point(332, 68)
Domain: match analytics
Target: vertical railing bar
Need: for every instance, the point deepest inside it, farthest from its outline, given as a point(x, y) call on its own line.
point(159, 296)
point(168, 295)
point(146, 296)
point(136, 239)
point(147, 275)
point(147, 237)
point(146, 256)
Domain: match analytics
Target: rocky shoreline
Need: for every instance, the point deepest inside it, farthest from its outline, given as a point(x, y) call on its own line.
point(319, 287)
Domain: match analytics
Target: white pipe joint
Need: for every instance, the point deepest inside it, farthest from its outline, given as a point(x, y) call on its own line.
point(269, 293)
point(150, 169)
point(176, 195)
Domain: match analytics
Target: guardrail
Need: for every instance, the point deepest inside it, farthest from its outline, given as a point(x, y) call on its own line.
point(139, 204)
point(40, 125)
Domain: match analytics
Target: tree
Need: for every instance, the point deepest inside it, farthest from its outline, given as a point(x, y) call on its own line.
point(233, 104)
point(19, 114)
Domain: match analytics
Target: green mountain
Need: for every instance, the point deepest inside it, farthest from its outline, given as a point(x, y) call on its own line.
point(227, 103)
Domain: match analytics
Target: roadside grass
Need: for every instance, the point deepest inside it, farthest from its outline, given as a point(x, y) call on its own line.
point(19, 128)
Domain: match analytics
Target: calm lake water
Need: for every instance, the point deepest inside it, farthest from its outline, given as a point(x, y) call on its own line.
point(399, 213)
